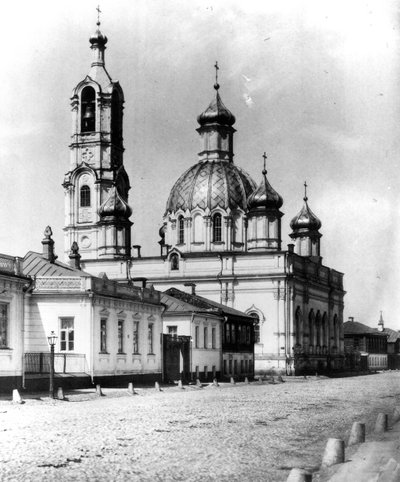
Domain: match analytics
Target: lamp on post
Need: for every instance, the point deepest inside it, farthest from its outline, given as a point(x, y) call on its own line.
point(52, 339)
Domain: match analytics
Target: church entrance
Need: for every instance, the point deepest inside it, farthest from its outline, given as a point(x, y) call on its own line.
point(176, 356)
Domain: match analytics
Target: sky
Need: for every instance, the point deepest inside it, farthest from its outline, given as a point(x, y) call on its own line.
point(314, 84)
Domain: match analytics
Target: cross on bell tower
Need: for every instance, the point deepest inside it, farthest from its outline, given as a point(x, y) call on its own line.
point(97, 185)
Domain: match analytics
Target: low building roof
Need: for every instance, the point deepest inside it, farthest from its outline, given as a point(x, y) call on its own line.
point(179, 301)
point(357, 328)
point(35, 264)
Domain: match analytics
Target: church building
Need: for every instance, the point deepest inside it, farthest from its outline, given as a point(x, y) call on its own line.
point(221, 231)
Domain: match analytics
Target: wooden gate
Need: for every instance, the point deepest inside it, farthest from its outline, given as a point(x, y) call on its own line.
point(176, 356)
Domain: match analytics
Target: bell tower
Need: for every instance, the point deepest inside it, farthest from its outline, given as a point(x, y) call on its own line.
point(97, 185)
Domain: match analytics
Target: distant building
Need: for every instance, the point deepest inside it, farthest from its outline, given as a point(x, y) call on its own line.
point(393, 344)
point(220, 231)
point(366, 348)
point(212, 339)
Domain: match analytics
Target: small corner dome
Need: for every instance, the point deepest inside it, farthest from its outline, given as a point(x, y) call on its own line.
point(305, 220)
point(216, 113)
point(264, 197)
point(115, 205)
point(211, 184)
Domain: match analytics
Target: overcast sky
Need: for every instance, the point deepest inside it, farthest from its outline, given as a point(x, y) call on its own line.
point(315, 84)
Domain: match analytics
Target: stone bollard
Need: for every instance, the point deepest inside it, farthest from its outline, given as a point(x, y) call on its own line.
point(60, 393)
point(16, 397)
point(381, 424)
point(260, 380)
point(357, 434)
point(157, 387)
point(334, 452)
point(215, 382)
point(233, 381)
point(98, 391)
point(131, 390)
point(180, 384)
point(246, 381)
point(299, 475)
point(396, 415)
point(198, 383)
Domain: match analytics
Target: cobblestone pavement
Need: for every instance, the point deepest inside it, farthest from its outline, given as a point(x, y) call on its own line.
point(228, 433)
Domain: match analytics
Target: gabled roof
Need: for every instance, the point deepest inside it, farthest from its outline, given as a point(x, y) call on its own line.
point(179, 301)
point(392, 335)
point(35, 264)
point(357, 328)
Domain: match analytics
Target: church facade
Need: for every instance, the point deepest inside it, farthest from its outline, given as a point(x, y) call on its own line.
point(221, 232)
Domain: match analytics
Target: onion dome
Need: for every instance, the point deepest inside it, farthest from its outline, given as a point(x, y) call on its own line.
point(216, 112)
point(265, 196)
point(115, 205)
point(305, 220)
point(98, 38)
point(211, 184)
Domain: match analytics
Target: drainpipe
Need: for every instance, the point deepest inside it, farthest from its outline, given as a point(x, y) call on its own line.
point(191, 346)
point(91, 299)
point(219, 277)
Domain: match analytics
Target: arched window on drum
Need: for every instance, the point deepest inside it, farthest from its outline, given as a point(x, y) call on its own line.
point(181, 230)
point(217, 228)
point(84, 197)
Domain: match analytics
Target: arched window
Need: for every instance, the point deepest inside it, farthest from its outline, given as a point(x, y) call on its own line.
point(174, 260)
point(318, 329)
point(298, 326)
point(85, 197)
point(325, 330)
point(311, 319)
point(181, 230)
point(256, 327)
point(217, 228)
point(88, 110)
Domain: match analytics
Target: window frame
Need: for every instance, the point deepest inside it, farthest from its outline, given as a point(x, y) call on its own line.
point(85, 196)
point(217, 228)
point(181, 230)
point(135, 337)
point(4, 325)
point(66, 340)
point(103, 335)
point(150, 338)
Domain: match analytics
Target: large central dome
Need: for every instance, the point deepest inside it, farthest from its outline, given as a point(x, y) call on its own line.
point(211, 184)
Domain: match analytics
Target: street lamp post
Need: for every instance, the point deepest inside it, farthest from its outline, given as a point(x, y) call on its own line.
point(52, 339)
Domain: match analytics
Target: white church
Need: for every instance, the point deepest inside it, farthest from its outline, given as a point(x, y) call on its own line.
point(221, 234)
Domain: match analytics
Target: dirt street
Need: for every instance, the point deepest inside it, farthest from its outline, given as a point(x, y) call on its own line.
point(242, 432)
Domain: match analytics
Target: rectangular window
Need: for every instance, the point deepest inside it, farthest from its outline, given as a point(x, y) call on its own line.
point(205, 371)
point(135, 337)
point(227, 333)
point(196, 337)
point(173, 330)
point(150, 337)
point(213, 338)
point(214, 370)
point(3, 325)
point(230, 367)
point(103, 335)
point(67, 334)
point(241, 366)
point(120, 336)
point(225, 370)
point(233, 333)
point(235, 367)
point(197, 372)
point(205, 337)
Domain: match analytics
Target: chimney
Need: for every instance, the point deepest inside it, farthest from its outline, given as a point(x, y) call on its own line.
point(137, 248)
point(290, 248)
point(48, 245)
point(74, 256)
point(193, 286)
point(351, 318)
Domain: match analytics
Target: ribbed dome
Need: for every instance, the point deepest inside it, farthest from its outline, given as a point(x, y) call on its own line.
point(115, 206)
point(216, 112)
point(265, 196)
point(211, 184)
point(305, 220)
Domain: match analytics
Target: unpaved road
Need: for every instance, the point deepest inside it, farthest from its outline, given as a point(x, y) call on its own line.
point(230, 433)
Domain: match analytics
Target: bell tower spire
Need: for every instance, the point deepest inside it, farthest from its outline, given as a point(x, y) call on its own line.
point(97, 177)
